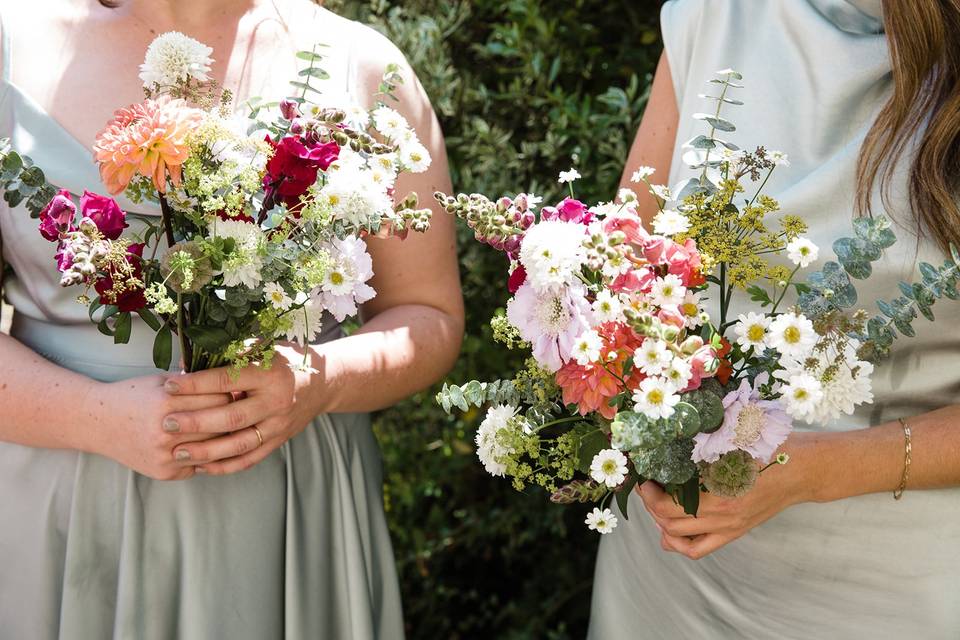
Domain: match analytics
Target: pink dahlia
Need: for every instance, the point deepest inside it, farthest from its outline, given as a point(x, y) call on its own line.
point(149, 139)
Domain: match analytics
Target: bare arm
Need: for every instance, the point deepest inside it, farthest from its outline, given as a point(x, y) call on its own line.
point(656, 139)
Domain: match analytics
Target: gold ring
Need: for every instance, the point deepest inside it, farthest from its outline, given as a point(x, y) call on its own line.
point(259, 436)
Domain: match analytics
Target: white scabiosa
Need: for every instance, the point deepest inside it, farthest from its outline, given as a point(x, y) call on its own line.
point(842, 379)
point(609, 467)
point(306, 321)
point(602, 522)
point(173, 59)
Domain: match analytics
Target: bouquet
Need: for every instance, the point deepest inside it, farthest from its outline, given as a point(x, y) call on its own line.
point(630, 378)
point(263, 217)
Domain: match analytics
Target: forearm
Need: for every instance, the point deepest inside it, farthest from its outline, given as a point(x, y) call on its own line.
point(846, 464)
point(41, 404)
point(397, 353)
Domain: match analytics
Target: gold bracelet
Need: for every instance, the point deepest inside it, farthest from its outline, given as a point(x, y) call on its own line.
point(908, 450)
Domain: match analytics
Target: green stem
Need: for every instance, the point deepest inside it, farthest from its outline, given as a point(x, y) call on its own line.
point(556, 422)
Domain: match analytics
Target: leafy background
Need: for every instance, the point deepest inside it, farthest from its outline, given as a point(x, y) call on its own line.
point(524, 89)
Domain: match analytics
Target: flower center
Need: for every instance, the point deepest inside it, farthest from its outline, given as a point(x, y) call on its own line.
point(749, 425)
point(755, 333)
point(553, 315)
point(792, 335)
point(336, 278)
point(689, 309)
point(609, 467)
point(800, 394)
point(655, 397)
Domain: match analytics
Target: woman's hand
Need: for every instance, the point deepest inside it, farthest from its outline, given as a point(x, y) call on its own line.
point(270, 405)
point(127, 424)
point(720, 521)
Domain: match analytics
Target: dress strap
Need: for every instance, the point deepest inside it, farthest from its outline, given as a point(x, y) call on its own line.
point(5, 50)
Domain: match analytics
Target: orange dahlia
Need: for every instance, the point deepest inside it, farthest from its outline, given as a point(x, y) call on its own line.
point(591, 387)
point(149, 139)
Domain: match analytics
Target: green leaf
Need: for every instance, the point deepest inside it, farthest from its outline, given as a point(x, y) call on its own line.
point(717, 123)
point(590, 445)
point(163, 348)
point(122, 328)
point(709, 407)
point(152, 321)
point(210, 339)
point(759, 294)
point(687, 419)
point(314, 72)
point(623, 493)
point(688, 495)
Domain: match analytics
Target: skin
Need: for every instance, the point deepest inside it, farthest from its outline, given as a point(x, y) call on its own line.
point(823, 466)
point(172, 426)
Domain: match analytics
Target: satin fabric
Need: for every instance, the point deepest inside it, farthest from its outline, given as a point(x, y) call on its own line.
point(297, 547)
point(815, 76)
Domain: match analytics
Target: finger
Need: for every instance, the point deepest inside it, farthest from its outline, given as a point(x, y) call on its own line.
point(205, 401)
point(686, 527)
point(221, 448)
point(240, 463)
point(660, 503)
point(228, 417)
point(221, 380)
point(698, 547)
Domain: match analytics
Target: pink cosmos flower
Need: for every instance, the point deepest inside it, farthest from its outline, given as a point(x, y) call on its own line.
point(749, 424)
point(149, 139)
point(551, 321)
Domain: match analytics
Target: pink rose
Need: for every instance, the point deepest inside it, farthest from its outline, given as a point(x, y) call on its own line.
point(57, 216)
point(105, 213)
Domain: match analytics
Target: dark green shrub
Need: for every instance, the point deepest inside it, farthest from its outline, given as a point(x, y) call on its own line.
point(524, 89)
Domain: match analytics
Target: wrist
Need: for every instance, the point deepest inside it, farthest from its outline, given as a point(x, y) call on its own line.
point(810, 466)
point(86, 433)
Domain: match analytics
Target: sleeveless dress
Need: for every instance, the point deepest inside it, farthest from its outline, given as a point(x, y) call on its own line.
point(296, 547)
point(816, 74)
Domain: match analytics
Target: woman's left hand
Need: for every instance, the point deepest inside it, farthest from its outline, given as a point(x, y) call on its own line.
point(720, 521)
point(270, 401)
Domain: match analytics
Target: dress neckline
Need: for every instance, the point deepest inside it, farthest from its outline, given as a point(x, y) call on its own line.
point(858, 17)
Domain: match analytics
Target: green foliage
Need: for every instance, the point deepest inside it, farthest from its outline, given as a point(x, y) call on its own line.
point(523, 89)
point(23, 182)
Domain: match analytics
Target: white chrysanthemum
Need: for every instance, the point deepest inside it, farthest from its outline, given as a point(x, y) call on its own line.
point(609, 467)
point(800, 395)
point(678, 373)
point(389, 122)
point(778, 158)
point(653, 357)
point(345, 286)
point(607, 307)
point(245, 262)
point(173, 58)
point(307, 321)
point(488, 449)
point(276, 296)
point(670, 222)
point(668, 290)
point(552, 253)
point(569, 176)
point(802, 252)
point(655, 398)
point(642, 173)
point(355, 197)
point(349, 161)
point(586, 349)
point(627, 196)
point(844, 382)
point(415, 157)
point(692, 309)
point(751, 330)
point(662, 191)
point(602, 522)
point(792, 335)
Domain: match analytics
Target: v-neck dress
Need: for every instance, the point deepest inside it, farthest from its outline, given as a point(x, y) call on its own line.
point(296, 547)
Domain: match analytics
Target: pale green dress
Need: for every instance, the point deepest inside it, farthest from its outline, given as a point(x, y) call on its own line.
point(295, 548)
point(816, 74)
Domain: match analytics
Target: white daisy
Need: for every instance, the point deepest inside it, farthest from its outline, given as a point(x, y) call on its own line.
point(587, 348)
point(802, 252)
point(275, 295)
point(653, 357)
point(655, 398)
point(415, 157)
point(668, 290)
point(670, 222)
point(751, 330)
point(678, 373)
point(609, 467)
point(601, 521)
point(642, 173)
point(661, 191)
point(778, 158)
point(607, 307)
point(552, 253)
point(627, 196)
point(692, 309)
point(389, 122)
point(569, 176)
point(800, 395)
point(792, 335)
point(173, 58)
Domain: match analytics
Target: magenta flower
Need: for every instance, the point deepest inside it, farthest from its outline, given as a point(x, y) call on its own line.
point(105, 213)
point(750, 424)
point(569, 210)
point(57, 217)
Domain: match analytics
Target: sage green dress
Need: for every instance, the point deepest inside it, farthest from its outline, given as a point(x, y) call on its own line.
point(297, 547)
point(816, 74)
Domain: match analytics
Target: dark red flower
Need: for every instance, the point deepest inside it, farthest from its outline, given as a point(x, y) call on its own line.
point(129, 299)
point(294, 166)
point(517, 278)
point(105, 213)
point(57, 216)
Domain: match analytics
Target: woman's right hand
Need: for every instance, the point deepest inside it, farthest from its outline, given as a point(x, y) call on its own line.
point(127, 424)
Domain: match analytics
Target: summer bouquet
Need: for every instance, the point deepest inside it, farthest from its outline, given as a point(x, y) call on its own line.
point(629, 377)
point(263, 216)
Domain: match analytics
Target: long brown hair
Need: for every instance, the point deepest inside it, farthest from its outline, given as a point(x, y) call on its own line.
point(924, 42)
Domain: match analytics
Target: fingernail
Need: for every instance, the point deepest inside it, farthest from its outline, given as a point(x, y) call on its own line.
point(170, 425)
point(171, 387)
point(200, 470)
point(182, 455)
point(659, 528)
